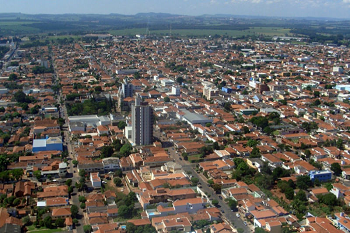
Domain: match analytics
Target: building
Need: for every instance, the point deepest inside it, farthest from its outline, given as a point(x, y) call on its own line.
point(95, 180)
point(320, 175)
point(142, 123)
point(48, 144)
point(127, 90)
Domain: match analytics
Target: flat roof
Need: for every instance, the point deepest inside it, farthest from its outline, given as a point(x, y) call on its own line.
point(39, 143)
point(191, 116)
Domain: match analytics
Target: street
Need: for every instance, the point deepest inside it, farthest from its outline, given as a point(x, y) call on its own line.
point(227, 214)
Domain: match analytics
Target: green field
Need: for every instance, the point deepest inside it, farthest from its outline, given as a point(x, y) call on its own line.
point(267, 31)
point(42, 230)
point(17, 27)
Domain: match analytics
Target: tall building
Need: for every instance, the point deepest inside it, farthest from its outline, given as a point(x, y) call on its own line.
point(142, 122)
point(127, 90)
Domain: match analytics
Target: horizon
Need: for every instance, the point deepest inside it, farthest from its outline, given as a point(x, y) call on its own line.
point(338, 9)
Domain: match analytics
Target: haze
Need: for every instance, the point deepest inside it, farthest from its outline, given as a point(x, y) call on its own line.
point(280, 8)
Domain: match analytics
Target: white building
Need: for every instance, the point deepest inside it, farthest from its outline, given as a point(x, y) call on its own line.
point(95, 180)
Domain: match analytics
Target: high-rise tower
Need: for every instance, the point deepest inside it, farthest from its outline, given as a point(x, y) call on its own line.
point(142, 122)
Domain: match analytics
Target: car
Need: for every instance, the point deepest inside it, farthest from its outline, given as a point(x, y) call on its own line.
point(222, 211)
point(237, 215)
point(220, 197)
point(180, 158)
point(245, 223)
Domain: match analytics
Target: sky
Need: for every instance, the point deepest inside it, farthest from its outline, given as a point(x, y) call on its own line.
point(279, 8)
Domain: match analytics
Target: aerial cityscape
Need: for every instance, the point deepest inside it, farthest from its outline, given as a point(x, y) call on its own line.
point(233, 118)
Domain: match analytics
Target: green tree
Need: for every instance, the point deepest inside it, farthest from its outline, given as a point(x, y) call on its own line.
point(336, 168)
point(87, 228)
point(125, 211)
point(75, 163)
point(289, 193)
point(82, 206)
point(13, 77)
point(118, 182)
point(48, 222)
point(68, 182)
point(215, 202)
point(74, 210)
point(82, 173)
point(166, 99)
point(37, 174)
point(328, 199)
point(180, 80)
point(107, 151)
point(82, 199)
point(232, 204)
point(118, 173)
point(126, 149)
point(26, 220)
point(20, 97)
point(194, 181)
point(259, 230)
point(59, 222)
point(121, 124)
point(304, 182)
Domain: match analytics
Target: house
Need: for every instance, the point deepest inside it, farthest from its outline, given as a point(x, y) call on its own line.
point(320, 175)
point(95, 180)
point(61, 213)
point(171, 223)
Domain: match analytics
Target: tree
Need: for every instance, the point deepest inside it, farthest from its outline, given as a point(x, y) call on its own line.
point(118, 173)
point(74, 210)
point(87, 228)
point(125, 211)
point(59, 222)
point(126, 149)
point(26, 220)
point(82, 173)
point(16, 202)
point(107, 151)
point(259, 230)
point(232, 204)
point(215, 202)
point(289, 193)
point(82, 199)
point(48, 222)
point(75, 163)
point(329, 199)
point(37, 174)
point(301, 196)
point(121, 124)
point(194, 181)
point(82, 205)
point(336, 168)
point(20, 97)
point(180, 80)
point(13, 77)
point(252, 143)
point(217, 188)
point(304, 182)
point(340, 144)
point(166, 99)
point(118, 182)
point(69, 182)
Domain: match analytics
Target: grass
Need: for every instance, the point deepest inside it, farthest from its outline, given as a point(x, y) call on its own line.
point(195, 158)
point(32, 228)
point(137, 215)
point(267, 31)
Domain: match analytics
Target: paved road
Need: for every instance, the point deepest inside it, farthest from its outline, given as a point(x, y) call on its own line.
point(72, 172)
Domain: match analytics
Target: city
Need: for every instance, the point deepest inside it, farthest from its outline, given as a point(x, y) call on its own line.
point(107, 133)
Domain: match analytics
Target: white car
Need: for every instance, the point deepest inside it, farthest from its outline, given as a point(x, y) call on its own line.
point(237, 215)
